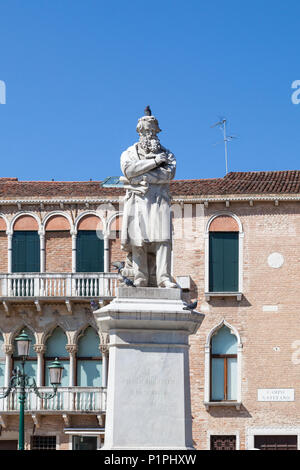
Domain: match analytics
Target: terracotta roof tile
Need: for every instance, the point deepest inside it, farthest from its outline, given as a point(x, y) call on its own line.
point(271, 182)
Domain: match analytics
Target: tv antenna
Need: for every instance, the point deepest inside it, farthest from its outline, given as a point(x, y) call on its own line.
point(226, 138)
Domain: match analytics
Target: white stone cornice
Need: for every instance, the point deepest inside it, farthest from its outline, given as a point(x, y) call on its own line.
point(178, 199)
point(235, 198)
point(39, 201)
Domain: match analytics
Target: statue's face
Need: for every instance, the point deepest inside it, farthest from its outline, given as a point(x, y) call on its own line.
point(150, 142)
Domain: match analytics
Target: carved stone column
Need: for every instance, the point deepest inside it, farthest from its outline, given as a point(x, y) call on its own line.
point(103, 346)
point(42, 252)
point(40, 350)
point(8, 350)
point(72, 350)
point(74, 250)
point(9, 253)
point(106, 253)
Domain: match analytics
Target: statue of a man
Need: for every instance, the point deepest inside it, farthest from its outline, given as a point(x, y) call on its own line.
point(146, 234)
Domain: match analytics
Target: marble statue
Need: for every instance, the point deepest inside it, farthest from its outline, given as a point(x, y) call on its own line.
point(146, 234)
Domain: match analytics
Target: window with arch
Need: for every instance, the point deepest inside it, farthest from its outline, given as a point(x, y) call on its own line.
point(224, 255)
point(89, 245)
point(2, 361)
point(25, 245)
point(31, 361)
point(223, 364)
point(89, 360)
point(56, 347)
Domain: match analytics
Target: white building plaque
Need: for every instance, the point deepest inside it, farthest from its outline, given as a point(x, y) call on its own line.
point(275, 394)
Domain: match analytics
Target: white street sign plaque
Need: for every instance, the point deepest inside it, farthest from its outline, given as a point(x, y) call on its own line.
point(275, 394)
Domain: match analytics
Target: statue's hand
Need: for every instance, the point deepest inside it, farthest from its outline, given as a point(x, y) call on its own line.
point(161, 159)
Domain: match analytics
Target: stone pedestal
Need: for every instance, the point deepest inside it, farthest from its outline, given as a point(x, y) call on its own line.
point(148, 396)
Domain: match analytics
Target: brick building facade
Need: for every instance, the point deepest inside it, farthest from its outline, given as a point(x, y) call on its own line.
point(235, 250)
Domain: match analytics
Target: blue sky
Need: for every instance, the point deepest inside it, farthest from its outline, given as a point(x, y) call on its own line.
point(79, 73)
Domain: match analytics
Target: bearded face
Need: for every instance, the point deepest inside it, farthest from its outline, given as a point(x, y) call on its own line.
point(150, 143)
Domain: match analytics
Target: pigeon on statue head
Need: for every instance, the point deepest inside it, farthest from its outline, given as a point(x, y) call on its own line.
point(147, 111)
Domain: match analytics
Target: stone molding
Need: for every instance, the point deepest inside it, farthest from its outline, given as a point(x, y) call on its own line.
point(240, 248)
point(207, 367)
point(188, 199)
point(104, 342)
point(72, 348)
point(8, 348)
point(149, 309)
point(39, 348)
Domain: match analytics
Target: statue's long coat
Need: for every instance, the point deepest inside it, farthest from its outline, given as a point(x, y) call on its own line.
point(146, 216)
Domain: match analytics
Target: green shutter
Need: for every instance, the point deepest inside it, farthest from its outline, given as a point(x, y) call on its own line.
point(223, 261)
point(90, 252)
point(26, 252)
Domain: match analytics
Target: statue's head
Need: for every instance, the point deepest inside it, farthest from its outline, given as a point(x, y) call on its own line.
point(148, 129)
point(148, 124)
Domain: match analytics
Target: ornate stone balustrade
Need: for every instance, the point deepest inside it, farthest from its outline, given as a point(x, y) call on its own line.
point(68, 399)
point(58, 285)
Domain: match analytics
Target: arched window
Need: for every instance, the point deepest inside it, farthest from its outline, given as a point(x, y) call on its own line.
point(224, 255)
point(89, 361)
point(56, 347)
point(89, 246)
point(25, 245)
point(31, 361)
point(2, 361)
point(223, 365)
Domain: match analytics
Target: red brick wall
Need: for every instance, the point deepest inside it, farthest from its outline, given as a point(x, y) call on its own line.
point(267, 229)
point(58, 251)
point(3, 252)
point(115, 252)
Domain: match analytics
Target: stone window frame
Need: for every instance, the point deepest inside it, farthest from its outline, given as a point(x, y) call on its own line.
point(207, 369)
point(238, 294)
point(224, 433)
point(101, 358)
point(271, 431)
point(86, 433)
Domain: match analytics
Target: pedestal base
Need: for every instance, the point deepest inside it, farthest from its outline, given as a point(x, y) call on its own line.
point(148, 397)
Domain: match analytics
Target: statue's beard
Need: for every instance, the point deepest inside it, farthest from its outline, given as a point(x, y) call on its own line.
point(150, 144)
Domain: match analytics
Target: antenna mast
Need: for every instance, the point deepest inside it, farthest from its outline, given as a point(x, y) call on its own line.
point(225, 143)
point(227, 138)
